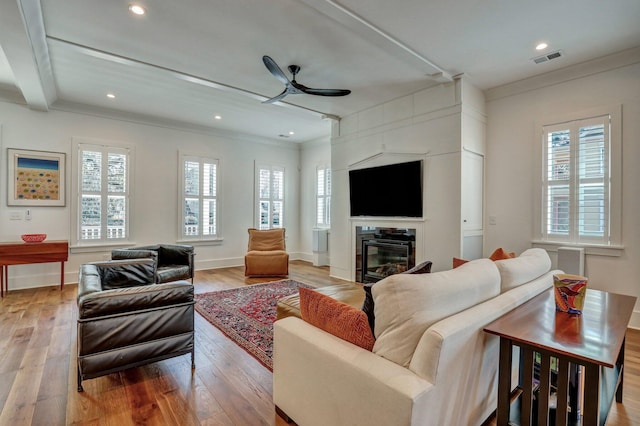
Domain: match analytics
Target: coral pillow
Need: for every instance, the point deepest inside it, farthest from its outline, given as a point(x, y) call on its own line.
point(335, 317)
point(498, 254)
point(457, 262)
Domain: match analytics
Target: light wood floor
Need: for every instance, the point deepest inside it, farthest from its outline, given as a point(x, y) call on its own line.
point(228, 386)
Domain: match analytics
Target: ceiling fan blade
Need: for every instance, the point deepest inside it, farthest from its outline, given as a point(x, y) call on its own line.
point(284, 93)
point(274, 69)
point(326, 92)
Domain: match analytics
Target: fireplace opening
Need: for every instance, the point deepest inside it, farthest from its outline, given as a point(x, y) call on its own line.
point(383, 251)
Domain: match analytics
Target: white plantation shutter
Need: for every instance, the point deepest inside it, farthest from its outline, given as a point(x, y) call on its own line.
point(103, 196)
point(576, 181)
point(323, 196)
point(199, 218)
point(270, 203)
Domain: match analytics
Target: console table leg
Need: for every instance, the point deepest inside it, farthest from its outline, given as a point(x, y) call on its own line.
point(61, 275)
point(620, 365)
point(504, 382)
point(591, 395)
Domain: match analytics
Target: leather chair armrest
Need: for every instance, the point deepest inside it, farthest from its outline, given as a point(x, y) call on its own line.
point(133, 253)
point(132, 299)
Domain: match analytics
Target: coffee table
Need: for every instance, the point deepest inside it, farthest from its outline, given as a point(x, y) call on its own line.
point(594, 340)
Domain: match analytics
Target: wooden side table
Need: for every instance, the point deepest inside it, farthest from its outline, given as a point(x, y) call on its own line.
point(19, 253)
point(594, 340)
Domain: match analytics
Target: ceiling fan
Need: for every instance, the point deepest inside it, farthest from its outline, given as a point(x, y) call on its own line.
point(292, 87)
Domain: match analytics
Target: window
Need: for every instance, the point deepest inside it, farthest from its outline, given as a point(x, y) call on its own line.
point(323, 196)
point(102, 205)
point(199, 215)
point(577, 181)
point(270, 194)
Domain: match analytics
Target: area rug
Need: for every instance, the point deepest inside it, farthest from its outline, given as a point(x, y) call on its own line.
point(246, 314)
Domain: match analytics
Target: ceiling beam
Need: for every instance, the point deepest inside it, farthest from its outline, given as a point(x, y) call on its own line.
point(23, 40)
point(130, 62)
point(379, 38)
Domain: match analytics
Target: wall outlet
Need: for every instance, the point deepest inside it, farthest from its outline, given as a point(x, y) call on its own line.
point(15, 216)
point(492, 220)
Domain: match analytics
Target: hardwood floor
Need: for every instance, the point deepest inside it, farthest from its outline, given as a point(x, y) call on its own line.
point(228, 386)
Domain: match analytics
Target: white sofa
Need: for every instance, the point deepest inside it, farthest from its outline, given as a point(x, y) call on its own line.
point(432, 364)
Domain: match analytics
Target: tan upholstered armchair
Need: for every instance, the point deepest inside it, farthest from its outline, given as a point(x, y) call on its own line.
point(267, 254)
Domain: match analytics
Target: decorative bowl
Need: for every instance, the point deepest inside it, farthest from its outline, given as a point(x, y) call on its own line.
point(33, 238)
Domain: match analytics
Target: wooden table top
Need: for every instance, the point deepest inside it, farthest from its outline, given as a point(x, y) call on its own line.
point(595, 336)
point(17, 252)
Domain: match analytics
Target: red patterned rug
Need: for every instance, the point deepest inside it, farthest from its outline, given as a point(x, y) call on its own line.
point(246, 314)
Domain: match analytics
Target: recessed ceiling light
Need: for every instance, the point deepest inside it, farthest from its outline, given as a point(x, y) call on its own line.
point(542, 46)
point(217, 117)
point(292, 133)
point(111, 96)
point(137, 9)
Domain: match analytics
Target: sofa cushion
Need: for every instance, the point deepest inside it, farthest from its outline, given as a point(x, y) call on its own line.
point(337, 318)
point(406, 305)
point(529, 265)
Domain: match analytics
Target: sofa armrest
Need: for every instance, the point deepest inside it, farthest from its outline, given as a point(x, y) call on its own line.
point(125, 300)
point(315, 373)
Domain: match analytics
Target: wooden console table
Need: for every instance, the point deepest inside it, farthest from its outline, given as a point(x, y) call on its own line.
point(20, 253)
point(594, 340)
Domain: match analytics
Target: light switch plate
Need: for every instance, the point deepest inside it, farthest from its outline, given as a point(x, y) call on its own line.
point(15, 216)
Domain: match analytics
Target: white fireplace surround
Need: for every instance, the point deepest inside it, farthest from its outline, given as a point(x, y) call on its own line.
point(383, 159)
point(376, 222)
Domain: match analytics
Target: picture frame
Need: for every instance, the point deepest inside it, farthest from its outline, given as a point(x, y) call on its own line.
point(35, 178)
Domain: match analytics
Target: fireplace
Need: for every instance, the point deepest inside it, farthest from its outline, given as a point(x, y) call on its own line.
point(383, 251)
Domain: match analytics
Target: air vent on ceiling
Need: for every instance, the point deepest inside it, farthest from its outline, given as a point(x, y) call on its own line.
point(547, 57)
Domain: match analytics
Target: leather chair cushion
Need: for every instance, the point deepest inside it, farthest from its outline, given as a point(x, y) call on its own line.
point(125, 273)
point(169, 273)
point(174, 254)
point(266, 263)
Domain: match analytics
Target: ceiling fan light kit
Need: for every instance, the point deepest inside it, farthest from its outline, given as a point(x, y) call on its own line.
point(292, 87)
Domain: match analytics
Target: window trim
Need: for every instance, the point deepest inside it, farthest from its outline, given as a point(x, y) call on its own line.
point(80, 246)
point(614, 246)
point(182, 157)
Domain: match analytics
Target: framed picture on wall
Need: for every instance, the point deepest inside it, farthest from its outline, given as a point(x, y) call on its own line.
point(35, 178)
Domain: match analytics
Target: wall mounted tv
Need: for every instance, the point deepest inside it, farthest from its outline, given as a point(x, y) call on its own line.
point(393, 190)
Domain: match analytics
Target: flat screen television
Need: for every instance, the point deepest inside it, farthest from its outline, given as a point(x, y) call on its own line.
point(394, 190)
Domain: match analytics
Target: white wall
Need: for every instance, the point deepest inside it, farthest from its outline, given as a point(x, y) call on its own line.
point(313, 154)
point(156, 204)
point(512, 114)
point(426, 125)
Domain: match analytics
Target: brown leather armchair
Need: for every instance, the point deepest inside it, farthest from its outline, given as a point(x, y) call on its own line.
point(126, 320)
point(172, 261)
point(266, 254)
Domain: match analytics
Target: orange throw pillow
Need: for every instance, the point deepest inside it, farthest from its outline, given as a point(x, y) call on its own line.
point(457, 262)
point(337, 318)
point(500, 254)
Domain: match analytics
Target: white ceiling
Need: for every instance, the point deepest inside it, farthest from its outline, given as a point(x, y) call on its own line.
point(186, 61)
